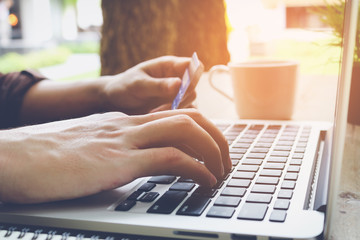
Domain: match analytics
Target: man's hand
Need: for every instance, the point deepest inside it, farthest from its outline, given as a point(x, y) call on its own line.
point(78, 157)
point(148, 87)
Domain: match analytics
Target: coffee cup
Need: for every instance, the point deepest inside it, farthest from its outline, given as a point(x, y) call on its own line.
point(261, 89)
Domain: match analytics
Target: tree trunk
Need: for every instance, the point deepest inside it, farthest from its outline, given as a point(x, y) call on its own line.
point(137, 30)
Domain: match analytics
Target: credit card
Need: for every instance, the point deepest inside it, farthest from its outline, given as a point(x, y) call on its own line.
point(190, 79)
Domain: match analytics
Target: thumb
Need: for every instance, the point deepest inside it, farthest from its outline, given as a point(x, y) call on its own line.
point(164, 87)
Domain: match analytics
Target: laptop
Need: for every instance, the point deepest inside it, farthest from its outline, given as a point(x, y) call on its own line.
point(283, 185)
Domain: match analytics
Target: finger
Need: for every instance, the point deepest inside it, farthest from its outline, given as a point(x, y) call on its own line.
point(160, 88)
point(163, 107)
point(187, 103)
point(188, 100)
point(170, 161)
point(183, 132)
point(206, 124)
point(166, 66)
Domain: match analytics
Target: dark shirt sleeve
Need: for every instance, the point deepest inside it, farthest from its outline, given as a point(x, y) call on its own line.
point(13, 87)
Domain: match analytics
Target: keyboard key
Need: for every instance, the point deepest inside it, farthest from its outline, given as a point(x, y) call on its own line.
point(271, 173)
point(287, 138)
point(288, 185)
point(238, 127)
point(260, 150)
point(135, 195)
point(227, 201)
point(277, 159)
point(167, 202)
point(252, 161)
point(222, 126)
point(248, 168)
point(274, 127)
point(259, 198)
point(303, 139)
point(266, 140)
point(218, 185)
point(149, 197)
point(253, 211)
point(245, 140)
point(220, 212)
point(182, 186)
point(298, 156)
point(244, 175)
point(233, 191)
point(263, 145)
point(241, 145)
point(125, 205)
point(146, 187)
point(230, 138)
point(279, 166)
point(293, 168)
point(285, 143)
point(236, 156)
point(164, 179)
point(194, 206)
point(279, 154)
point(250, 136)
point(269, 134)
point(300, 150)
point(282, 204)
point(286, 133)
point(267, 180)
point(291, 176)
point(285, 194)
point(278, 216)
point(238, 150)
point(235, 162)
point(256, 127)
point(239, 183)
point(261, 188)
point(182, 179)
point(301, 145)
point(206, 192)
point(256, 155)
point(282, 148)
point(296, 162)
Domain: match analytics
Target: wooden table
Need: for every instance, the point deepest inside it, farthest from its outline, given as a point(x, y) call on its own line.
point(315, 101)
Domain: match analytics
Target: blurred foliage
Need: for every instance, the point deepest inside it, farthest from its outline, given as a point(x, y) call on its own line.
point(69, 2)
point(11, 62)
point(333, 16)
point(84, 47)
point(92, 74)
point(314, 57)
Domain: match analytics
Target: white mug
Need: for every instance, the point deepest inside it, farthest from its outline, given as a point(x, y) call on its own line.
point(262, 89)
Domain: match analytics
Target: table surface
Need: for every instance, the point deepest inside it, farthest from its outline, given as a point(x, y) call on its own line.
point(315, 101)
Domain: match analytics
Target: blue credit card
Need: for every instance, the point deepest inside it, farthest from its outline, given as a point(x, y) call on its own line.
point(191, 77)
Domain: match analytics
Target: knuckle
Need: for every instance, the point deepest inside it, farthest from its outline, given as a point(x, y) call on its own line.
point(194, 113)
point(173, 156)
point(184, 121)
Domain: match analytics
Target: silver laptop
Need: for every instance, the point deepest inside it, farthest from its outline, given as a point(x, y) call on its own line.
point(283, 185)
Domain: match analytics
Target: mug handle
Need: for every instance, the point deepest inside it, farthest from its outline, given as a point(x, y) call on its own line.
point(219, 69)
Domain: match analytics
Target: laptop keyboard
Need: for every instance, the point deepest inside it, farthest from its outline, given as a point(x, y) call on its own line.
point(266, 163)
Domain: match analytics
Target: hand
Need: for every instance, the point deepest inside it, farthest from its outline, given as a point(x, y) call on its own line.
point(83, 156)
point(148, 87)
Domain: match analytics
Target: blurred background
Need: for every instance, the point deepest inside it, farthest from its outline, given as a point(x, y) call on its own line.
point(67, 40)
point(42, 34)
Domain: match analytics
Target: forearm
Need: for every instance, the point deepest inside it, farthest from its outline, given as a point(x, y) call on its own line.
point(50, 100)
